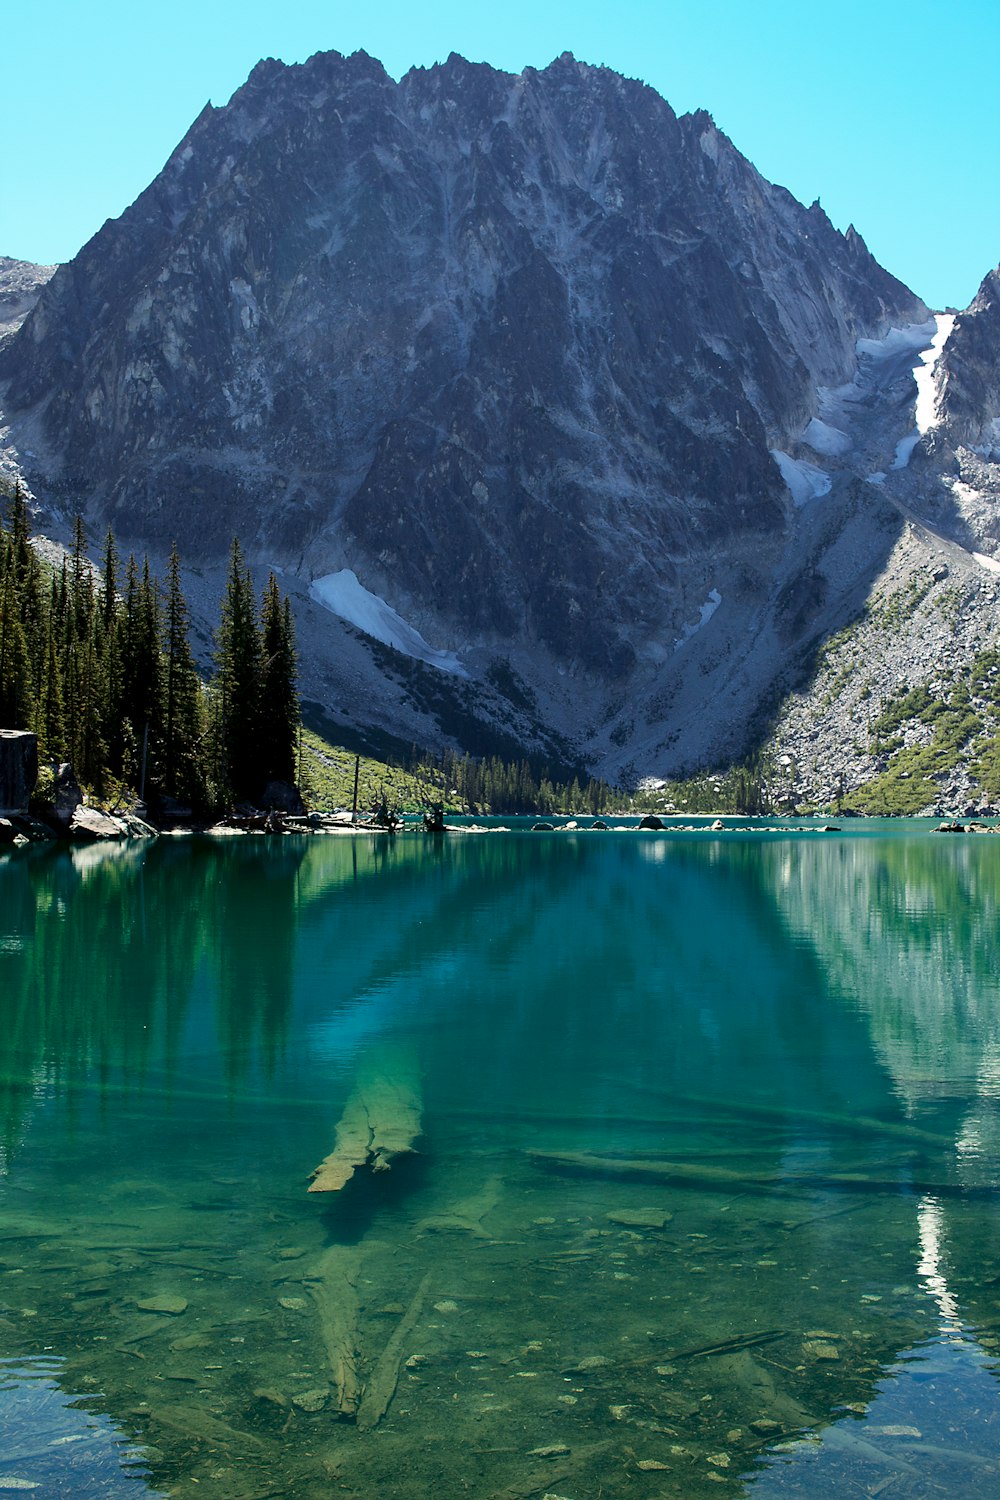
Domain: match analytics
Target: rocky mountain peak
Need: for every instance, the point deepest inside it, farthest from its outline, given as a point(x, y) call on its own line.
point(515, 352)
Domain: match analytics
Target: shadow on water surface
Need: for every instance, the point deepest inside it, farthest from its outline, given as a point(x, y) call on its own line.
point(692, 1114)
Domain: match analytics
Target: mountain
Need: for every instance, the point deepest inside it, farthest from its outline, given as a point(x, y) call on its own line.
point(523, 376)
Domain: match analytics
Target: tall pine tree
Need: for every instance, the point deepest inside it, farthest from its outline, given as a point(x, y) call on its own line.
point(279, 699)
point(182, 774)
point(238, 660)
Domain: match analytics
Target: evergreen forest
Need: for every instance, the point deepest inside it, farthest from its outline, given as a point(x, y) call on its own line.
point(99, 664)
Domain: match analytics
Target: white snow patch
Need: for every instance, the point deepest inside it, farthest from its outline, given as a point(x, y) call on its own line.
point(878, 477)
point(343, 595)
point(705, 613)
point(989, 563)
point(911, 339)
point(822, 438)
point(904, 449)
point(805, 481)
point(925, 415)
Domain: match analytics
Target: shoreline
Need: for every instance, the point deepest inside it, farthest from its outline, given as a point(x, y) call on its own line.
point(20, 830)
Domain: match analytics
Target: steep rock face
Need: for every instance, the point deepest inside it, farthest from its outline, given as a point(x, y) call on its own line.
point(969, 378)
point(513, 348)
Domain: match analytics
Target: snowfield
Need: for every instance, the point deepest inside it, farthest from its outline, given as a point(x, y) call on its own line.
point(924, 373)
point(342, 594)
point(805, 481)
point(705, 613)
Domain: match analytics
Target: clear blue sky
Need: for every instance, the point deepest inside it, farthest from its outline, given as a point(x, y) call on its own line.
point(887, 110)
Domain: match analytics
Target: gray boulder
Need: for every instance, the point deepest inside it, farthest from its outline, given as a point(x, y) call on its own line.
point(88, 825)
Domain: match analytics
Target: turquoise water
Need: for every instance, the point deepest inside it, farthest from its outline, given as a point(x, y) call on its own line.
point(704, 1193)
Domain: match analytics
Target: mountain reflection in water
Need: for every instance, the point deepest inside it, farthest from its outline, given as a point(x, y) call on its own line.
point(706, 1181)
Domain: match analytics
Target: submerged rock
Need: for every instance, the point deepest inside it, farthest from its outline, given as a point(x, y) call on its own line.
point(640, 1218)
point(165, 1303)
point(311, 1401)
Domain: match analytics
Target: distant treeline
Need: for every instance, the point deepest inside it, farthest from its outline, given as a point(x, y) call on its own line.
point(98, 664)
point(496, 786)
point(503, 787)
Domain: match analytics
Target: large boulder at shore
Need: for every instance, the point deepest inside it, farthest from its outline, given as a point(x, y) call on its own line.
point(18, 769)
point(89, 825)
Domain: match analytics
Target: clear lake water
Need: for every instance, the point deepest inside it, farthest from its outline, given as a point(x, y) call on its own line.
point(702, 1196)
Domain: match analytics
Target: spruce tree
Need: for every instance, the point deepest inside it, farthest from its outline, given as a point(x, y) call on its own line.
point(50, 725)
point(238, 659)
point(182, 773)
point(17, 696)
point(279, 700)
point(111, 612)
point(142, 678)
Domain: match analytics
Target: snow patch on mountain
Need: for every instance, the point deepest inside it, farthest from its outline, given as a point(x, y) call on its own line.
point(910, 339)
point(904, 449)
point(344, 595)
point(924, 373)
point(823, 438)
point(705, 613)
point(805, 481)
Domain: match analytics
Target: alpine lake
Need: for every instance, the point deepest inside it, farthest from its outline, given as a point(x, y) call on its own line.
point(684, 1166)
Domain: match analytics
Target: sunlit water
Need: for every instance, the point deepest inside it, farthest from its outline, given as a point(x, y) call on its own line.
point(705, 1195)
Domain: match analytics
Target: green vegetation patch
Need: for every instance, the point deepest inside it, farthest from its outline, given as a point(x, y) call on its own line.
point(961, 717)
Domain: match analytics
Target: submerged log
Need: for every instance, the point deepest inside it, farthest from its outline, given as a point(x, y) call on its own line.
point(333, 1288)
point(384, 1378)
point(381, 1121)
point(589, 1164)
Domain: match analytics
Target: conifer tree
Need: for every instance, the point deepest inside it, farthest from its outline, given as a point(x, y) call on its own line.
point(238, 659)
point(181, 772)
point(279, 700)
point(50, 724)
point(17, 698)
point(110, 607)
point(141, 636)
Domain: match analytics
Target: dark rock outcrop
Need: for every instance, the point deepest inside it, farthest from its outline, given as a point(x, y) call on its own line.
point(18, 769)
point(67, 795)
point(283, 797)
point(969, 401)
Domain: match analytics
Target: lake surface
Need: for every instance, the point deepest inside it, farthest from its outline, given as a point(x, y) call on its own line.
point(705, 1198)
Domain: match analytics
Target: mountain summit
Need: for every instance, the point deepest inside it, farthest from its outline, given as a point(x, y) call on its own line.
point(519, 364)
